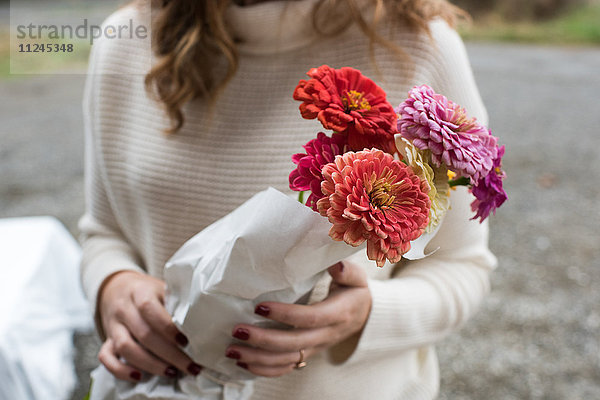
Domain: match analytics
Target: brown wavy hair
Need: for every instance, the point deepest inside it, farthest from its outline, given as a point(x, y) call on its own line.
point(190, 38)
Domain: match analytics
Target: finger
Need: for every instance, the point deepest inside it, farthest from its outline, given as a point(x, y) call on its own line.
point(266, 371)
point(155, 314)
point(348, 274)
point(165, 350)
point(126, 347)
point(275, 370)
point(316, 315)
point(278, 340)
point(110, 360)
point(254, 356)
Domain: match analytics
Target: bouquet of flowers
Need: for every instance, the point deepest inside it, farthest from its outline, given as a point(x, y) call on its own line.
point(384, 175)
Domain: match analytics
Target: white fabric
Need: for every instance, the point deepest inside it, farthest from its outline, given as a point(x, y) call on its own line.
point(41, 305)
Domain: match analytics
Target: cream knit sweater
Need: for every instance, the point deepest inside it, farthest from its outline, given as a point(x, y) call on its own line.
point(147, 193)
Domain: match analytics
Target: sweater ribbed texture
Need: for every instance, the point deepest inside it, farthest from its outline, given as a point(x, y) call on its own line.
point(147, 192)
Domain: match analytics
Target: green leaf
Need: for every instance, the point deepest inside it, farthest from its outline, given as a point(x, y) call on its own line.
point(87, 396)
point(462, 181)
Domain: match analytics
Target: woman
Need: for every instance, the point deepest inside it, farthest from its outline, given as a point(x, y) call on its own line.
point(220, 86)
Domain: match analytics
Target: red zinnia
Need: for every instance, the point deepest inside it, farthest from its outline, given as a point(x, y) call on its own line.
point(307, 175)
point(370, 196)
point(347, 102)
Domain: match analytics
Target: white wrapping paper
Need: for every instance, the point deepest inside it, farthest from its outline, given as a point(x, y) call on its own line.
point(270, 248)
point(417, 246)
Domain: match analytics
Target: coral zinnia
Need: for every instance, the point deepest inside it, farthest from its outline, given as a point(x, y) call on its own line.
point(347, 102)
point(432, 122)
point(488, 191)
point(370, 196)
point(307, 175)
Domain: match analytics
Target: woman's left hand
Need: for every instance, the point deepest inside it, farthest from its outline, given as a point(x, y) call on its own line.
point(275, 352)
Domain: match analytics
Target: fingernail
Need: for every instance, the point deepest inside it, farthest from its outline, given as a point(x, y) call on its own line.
point(181, 339)
point(241, 333)
point(135, 375)
point(171, 372)
point(194, 369)
point(262, 310)
point(233, 354)
point(242, 365)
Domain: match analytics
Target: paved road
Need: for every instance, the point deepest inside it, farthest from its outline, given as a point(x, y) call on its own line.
point(537, 335)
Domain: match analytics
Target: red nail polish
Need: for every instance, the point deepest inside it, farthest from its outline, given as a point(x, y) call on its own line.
point(135, 375)
point(181, 339)
point(242, 365)
point(194, 369)
point(233, 354)
point(171, 372)
point(262, 310)
point(242, 334)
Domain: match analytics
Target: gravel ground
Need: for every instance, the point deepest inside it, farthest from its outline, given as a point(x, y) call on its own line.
point(537, 334)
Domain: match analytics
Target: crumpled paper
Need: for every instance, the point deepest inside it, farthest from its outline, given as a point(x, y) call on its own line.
point(271, 248)
point(417, 246)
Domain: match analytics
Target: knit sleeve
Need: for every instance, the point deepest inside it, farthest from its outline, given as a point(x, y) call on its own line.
point(453, 75)
point(105, 248)
point(427, 299)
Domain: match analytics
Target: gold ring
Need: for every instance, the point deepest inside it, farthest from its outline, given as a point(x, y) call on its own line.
point(301, 363)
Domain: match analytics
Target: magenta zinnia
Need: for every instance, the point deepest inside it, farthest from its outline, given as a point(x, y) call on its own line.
point(307, 175)
point(488, 191)
point(432, 122)
point(370, 196)
point(347, 102)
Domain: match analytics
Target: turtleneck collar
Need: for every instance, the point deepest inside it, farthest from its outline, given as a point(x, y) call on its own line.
point(272, 26)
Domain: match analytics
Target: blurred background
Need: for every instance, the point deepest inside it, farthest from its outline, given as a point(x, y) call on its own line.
point(537, 64)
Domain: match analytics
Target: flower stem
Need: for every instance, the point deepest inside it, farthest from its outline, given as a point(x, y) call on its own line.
point(462, 181)
point(301, 197)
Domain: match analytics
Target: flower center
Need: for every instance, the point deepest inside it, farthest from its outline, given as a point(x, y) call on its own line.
point(462, 120)
point(381, 195)
point(354, 100)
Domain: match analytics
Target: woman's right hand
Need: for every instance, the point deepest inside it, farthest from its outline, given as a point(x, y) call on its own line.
point(140, 336)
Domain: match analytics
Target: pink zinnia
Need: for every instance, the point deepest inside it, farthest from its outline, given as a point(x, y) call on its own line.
point(307, 175)
point(370, 196)
point(432, 122)
point(488, 191)
point(347, 102)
